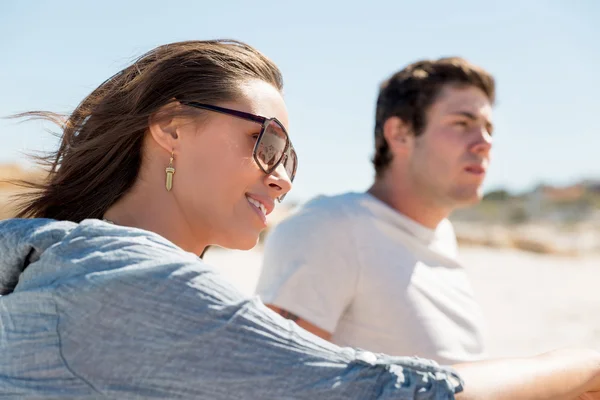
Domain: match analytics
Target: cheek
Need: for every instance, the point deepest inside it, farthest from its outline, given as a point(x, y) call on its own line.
point(435, 160)
point(447, 148)
point(219, 178)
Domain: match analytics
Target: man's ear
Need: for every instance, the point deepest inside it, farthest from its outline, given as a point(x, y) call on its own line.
point(163, 127)
point(398, 135)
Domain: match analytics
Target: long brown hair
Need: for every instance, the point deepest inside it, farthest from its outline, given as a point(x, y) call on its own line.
point(100, 152)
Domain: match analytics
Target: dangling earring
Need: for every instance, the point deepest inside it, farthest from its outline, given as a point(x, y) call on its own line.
point(170, 171)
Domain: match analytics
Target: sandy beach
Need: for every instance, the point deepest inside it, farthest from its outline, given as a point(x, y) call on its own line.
point(533, 303)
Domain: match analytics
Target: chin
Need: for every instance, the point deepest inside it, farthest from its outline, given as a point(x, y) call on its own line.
point(468, 198)
point(471, 201)
point(240, 240)
point(248, 244)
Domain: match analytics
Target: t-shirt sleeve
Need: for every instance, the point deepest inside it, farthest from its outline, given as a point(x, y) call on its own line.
point(310, 267)
point(186, 333)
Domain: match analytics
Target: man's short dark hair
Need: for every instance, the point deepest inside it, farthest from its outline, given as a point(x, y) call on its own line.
point(409, 93)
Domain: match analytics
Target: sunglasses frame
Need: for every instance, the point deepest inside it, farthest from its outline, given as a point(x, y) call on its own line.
point(288, 149)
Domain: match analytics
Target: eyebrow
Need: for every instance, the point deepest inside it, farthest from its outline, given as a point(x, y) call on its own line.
point(473, 117)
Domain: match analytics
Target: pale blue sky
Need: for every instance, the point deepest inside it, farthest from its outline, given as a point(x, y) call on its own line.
point(545, 56)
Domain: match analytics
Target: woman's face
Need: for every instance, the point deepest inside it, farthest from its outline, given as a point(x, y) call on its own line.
point(223, 194)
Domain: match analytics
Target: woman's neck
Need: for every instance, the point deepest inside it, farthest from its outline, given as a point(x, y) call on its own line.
point(158, 212)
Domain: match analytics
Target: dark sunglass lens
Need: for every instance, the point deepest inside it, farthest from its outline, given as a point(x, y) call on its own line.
point(291, 163)
point(271, 146)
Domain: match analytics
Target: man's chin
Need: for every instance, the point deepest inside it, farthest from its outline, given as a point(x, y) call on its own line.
point(467, 199)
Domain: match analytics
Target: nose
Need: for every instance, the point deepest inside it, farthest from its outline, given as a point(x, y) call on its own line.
point(278, 182)
point(483, 144)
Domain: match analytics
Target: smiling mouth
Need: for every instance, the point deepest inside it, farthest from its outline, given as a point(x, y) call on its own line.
point(259, 208)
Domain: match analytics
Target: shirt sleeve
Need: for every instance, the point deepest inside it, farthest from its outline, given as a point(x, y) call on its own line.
point(161, 328)
point(310, 266)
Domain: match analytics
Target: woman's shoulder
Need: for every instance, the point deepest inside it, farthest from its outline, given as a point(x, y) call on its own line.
point(49, 252)
point(43, 233)
point(98, 243)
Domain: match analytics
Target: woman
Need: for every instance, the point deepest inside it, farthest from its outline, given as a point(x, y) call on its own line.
point(102, 292)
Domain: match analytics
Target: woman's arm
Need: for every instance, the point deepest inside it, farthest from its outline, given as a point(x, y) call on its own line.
point(558, 375)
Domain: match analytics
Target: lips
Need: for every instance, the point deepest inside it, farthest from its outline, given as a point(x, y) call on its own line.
point(263, 206)
point(475, 169)
point(257, 204)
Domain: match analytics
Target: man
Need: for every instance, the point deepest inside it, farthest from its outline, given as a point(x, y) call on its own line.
point(378, 270)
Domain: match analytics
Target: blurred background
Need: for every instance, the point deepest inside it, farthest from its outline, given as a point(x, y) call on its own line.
point(532, 247)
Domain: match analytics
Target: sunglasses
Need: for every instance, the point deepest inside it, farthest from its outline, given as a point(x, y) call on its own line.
point(273, 146)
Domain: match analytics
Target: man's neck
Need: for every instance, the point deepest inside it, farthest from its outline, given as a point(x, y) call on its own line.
point(404, 200)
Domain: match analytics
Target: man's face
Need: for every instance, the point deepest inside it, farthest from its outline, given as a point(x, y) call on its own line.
point(449, 160)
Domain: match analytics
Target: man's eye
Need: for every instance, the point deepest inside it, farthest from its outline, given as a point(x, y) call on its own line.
point(461, 123)
point(255, 136)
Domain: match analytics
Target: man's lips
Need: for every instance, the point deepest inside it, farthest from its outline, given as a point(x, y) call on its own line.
point(475, 169)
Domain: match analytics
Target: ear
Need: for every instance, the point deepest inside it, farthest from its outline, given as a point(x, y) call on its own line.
point(163, 128)
point(398, 135)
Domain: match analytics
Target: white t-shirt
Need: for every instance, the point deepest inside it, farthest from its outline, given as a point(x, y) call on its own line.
point(376, 279)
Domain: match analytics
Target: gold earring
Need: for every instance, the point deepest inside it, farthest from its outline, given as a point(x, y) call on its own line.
point(170, 171)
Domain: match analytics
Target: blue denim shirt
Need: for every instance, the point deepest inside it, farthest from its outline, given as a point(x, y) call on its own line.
point(93, 310)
